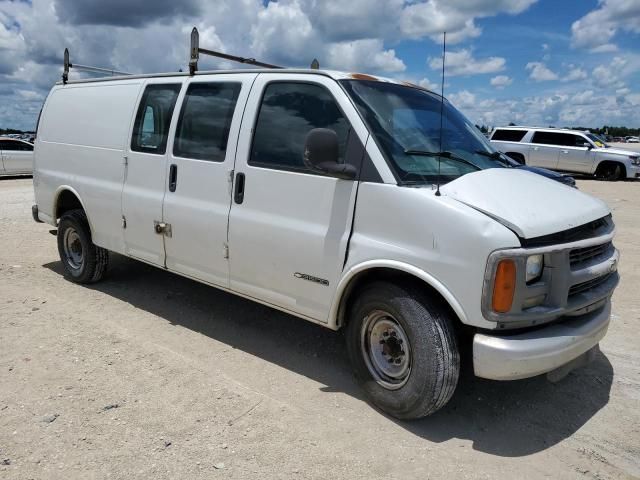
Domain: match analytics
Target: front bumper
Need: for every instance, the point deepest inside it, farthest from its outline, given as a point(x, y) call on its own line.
point(633, 171)
point(524, 355)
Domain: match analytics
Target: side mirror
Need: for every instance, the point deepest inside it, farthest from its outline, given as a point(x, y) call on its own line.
point(588, 145)
point(321, 153)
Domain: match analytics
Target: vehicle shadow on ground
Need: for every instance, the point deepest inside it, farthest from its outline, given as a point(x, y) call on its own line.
point(14, 177)
point(501, 418)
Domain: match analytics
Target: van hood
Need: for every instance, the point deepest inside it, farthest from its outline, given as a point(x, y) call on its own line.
point(528, 204)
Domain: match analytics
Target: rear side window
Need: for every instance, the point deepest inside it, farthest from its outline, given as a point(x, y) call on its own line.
point(287, 114)
point(151, 127)
point(12, 145)
point(557, 138)
point(205, 120)
point(508, 135)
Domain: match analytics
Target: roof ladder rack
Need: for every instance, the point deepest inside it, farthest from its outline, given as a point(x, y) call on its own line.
point(86, 68)
point(196, 51)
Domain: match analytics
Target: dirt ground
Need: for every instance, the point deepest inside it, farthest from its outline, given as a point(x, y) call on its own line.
point(150, 375)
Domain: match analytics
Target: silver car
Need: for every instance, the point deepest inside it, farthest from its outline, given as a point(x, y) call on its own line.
point(564, 150)
point(16, 156)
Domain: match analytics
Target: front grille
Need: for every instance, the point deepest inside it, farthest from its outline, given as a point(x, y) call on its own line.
point(588, 285)
point(580, 256)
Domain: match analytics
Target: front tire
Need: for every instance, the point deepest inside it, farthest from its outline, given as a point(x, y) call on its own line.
point(611, 172)
point(403, 349)
point(83, 261)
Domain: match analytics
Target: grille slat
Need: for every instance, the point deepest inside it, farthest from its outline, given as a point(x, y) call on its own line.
point(580, 256)
point(588, 285)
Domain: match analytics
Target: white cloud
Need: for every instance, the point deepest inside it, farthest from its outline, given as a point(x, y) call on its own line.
point(589, 108)
point(429, 85)
point(575, 74)
point(364, 55)
point(501, 81)
point(456, 17)
point(540, 72)
point(610, 76)
point(462, 62)
point(595, 30)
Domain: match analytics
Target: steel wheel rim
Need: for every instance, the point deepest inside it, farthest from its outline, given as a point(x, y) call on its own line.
point(386, 349)
point(72, 246)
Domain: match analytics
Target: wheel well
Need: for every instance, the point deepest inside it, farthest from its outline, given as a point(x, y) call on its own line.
point(391, 275)
point(67, 200)
point(610, 163)
point(518, 157)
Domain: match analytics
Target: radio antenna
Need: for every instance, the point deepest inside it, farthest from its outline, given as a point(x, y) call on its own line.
point(444, 52)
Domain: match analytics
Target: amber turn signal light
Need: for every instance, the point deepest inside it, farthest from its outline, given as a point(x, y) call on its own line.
point(504, 286)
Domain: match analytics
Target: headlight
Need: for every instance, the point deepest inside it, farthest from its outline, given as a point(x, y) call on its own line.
point(635, 160)
point(534, 267)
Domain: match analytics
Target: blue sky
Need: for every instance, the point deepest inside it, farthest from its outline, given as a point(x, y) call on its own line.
point(544, 62)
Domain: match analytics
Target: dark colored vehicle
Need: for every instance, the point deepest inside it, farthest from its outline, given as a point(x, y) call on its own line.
point(558, 177)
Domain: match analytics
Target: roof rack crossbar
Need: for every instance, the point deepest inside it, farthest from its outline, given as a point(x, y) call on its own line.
point(196, 51)
point(86, 68)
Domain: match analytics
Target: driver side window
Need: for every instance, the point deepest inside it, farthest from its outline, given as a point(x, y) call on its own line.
point(289, 110)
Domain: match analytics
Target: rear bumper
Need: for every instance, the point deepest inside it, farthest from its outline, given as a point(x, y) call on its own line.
point(540, 351)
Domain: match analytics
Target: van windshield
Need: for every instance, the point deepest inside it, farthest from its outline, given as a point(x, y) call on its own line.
point(405, 122)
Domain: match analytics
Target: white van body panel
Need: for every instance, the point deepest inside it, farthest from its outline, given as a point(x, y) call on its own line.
point(438, 236)
point(80, 143)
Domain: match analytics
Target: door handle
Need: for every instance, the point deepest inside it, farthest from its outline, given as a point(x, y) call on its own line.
point(173, 177)
point(564, 151)
point(536, 148)
point(238, 188)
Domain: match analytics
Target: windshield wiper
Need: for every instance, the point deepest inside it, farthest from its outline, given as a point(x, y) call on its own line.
point(445, 154)
point(501, 157)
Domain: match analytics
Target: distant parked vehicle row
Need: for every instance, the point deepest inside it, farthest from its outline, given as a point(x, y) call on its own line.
point(565, 150)
point(16, 157)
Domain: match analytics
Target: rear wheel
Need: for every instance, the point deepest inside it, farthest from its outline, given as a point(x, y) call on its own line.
point(403, 350)
point(83, 261)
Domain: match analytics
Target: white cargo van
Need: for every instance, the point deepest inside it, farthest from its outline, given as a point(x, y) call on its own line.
point(315, 192)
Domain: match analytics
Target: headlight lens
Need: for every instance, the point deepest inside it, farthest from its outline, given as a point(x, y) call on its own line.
point(534, 267)
point(635, 160)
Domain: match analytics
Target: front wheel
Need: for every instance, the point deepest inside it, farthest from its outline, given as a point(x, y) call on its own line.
point(611, 172)
point(83, 261)
point(403, 349)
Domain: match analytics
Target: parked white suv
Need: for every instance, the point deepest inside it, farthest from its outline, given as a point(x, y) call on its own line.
point(571, 151)
point(315, 192)
point(16, 156)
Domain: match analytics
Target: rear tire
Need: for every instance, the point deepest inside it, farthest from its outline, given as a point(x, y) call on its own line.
point(403, 349)
point(83, 262)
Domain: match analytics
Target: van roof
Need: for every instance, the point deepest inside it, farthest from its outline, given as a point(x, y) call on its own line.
point(335, 74)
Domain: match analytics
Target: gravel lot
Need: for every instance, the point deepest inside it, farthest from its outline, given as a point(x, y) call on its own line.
point(150, 375)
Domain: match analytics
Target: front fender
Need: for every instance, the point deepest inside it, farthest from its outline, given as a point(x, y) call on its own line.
point(349, 275)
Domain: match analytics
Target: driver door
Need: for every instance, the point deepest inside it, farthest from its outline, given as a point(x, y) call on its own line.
point(289, 227)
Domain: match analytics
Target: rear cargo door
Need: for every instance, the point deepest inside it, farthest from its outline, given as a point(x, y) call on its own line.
point(199, 173)
point(145, 171)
